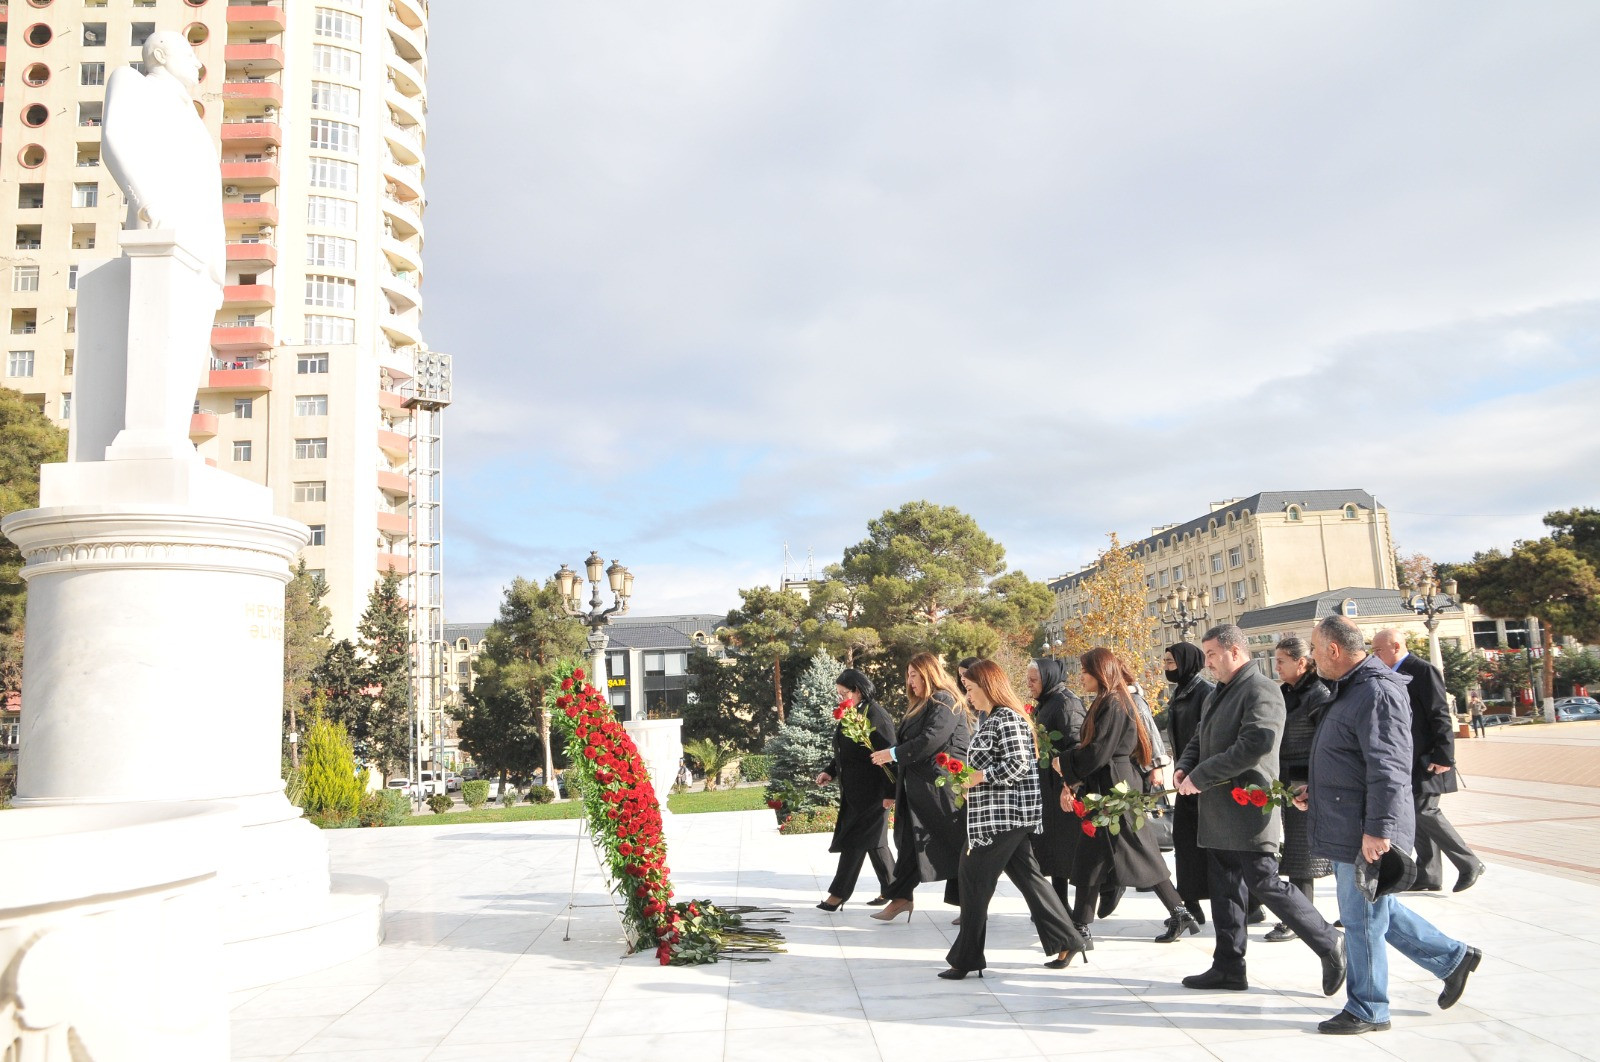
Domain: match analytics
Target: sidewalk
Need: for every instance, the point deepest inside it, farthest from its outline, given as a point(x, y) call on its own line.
point(475, 968)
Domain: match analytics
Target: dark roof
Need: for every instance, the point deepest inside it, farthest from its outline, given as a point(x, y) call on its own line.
point(627, 632)
point(472, 632)
point(1272, 501)
point(1369, 600)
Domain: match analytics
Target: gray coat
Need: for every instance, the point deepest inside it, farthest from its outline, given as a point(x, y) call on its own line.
point(1237, 745)
point(1361, 765)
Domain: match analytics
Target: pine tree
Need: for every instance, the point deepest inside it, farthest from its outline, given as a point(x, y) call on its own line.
point(305, 645)
point(332, 785)
point(386, 665)
point(804, 746)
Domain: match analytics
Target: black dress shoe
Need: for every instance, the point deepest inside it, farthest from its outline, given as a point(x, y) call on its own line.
point(1109, 899)
point(1333, 970)
point(1256, 916)
point(1456, 983)
point(1346, 1024)
point(1219, 979)
point(954, 974)
point(1469, 878)
point(1280, 932)
point(1417, 886)
point(1179, 922)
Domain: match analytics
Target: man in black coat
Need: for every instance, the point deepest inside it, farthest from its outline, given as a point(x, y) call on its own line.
point(1433, 764)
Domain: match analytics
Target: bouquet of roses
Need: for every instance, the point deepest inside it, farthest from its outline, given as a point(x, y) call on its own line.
point(958, 775)
point(1044, 740)
point(857, 727)
point(1106, 810)
point(1277, 795)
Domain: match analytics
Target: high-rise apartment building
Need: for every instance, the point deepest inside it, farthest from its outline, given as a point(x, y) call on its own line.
point(320, 386)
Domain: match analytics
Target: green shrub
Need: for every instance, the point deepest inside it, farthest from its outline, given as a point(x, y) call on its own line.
point(440, 803)
point(756, 767)
point(331, 784)
point(475, 792)
point(540, 794)
point(386, 807)
point(821, 820)
point(510, 796)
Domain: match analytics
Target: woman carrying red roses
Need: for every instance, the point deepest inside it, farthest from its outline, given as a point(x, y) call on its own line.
point(862, 832)
point(1111, 748)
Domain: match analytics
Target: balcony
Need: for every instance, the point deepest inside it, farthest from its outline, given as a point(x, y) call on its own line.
point(231, 338)
point(405, 217)
point(401, 329)
point(250, 173)
point(249, 381)
point(402, 290)
point(413, 13)
point(394, 483)
point(405, 143)
point(398, 562)
point(262, 213)
point(391, 400)
point(253, 58)
point(409, 44)
point(256, 254)
point(249, 295)
point(393, 443)
point(394, 523)
point(270, 92)
point(406, 77)
point(252, 18)
point(404, 180)
point(251, 134)
point(402, 256)
point(412, 108)
point(202, 426)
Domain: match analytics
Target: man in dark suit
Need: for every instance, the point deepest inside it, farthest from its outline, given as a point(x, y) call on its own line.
point(1432, 767)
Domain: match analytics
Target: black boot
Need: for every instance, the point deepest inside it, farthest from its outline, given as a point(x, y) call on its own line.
point(1088, 938)
point(1179, 922)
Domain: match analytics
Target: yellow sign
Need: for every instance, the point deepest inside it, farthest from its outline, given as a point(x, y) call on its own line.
point(615, 683)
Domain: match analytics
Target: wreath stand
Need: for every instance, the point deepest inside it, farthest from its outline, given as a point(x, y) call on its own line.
point(605, 874)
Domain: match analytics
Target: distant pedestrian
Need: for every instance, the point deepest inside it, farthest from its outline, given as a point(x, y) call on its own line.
point(1304, 697)
point(1475, 708)
point(1360, 805)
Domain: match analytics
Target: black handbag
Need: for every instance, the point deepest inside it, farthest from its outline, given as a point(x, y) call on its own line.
point(1159, 825)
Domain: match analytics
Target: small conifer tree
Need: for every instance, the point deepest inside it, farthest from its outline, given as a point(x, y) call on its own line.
point(804, 746)
point(332, 785)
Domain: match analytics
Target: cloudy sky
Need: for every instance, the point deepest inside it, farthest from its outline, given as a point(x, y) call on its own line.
point(721, 276)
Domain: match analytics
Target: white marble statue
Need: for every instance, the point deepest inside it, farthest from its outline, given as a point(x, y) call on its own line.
point(160, 154)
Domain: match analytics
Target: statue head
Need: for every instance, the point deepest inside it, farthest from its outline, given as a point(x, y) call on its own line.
point(170, 50)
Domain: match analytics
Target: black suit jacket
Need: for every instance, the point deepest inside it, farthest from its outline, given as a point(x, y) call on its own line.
point(1433, 726)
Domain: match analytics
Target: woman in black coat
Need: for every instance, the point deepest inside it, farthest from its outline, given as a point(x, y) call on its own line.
point(1304, 695)
point(1186, 671)
point(930, 832)
point(1058, 711)
point(862, 832)
point(1111, 749)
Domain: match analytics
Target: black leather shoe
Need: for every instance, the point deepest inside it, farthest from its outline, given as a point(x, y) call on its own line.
point(1418, 886)
point(1469, 878)
point(1218, 979)
point(954, 974)
point(1333, 970)
point(1346, 1024)
point(1456, 983)
point(1109, 900)
point(1255, 916)
point(877, 901)
point(1280, 932)
point(1179, 922)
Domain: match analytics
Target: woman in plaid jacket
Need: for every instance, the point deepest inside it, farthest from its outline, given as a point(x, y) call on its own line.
point(1004, 809)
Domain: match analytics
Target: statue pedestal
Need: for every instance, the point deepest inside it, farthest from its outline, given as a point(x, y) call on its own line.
point(153, 672)
point(660, 745)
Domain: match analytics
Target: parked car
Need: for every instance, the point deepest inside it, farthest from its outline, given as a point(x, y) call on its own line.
point(1498, 719)
point(429, 783)
point(411, 789)
point(1572, 713)
point(452, 782)
point(1578, 702)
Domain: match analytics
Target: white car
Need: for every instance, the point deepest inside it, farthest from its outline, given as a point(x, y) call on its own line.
point(412, 790)
point(429, 783)
point(452, 782)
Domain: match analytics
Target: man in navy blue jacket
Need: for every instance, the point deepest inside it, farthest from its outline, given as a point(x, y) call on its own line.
point(1360, 804)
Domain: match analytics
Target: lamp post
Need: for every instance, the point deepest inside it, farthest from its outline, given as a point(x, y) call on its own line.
point(1183, 610)
point(596, 616)
point(1423, 599)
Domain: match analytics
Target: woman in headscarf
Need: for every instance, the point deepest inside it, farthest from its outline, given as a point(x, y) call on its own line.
point(1185, 669)
point(862, 832)
point(1059, 714)
point(930, 832)
point(1304, 694)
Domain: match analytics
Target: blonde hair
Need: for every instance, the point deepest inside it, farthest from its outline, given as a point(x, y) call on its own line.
point(934, 677)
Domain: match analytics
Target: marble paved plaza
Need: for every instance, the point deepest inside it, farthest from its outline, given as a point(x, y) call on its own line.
point(475, 967)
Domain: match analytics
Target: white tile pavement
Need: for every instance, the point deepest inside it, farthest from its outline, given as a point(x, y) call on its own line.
point(476, 968)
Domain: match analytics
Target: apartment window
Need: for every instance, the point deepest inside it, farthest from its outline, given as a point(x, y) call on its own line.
point(94, 34)
point(1238, 591)
point(1293, 514)
point(307, 364)
point(341, 62)
point(1216, 563)
point(1350, 512)
point(330, 252)
point(1177, 573)
point(19, 363)
point(335, 292)
point(241, 450)
point(320, 329)
point(25, 278)
point(250, 197)
point(319, 535)
point(311, 491)
point(329, 135)
point(1235, 557)
point(1250, 549)
point(1161, 578)
point(1219, 594)
point(140, 32)
point(91, 73)
point(339, 25)
point(329, 213)
point(311, 405)
point(1255, 586)
point(85, 195)
point(335, 99)
point(333, 173)
point(67, 361)
point(1149, 582)
point(666, 684)
point(11, 735)
point(310, 449)
point(244, 408)
point(66, 405)
point(244, 320)
point(72, 278)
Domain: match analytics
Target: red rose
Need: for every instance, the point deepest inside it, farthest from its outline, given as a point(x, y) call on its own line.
point(1240, 797)
point(838, 713)
point(942, 760)
point(956, 765)
point(1259, 798)
point(577, 674)
point(572, 713)
point(774, 804)
point(1088, 828)
point(1077, 808)
point(1028, 708)
point(566, 683)
point(590, 752)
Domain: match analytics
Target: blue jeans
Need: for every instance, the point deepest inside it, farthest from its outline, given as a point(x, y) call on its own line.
point(1367, 926)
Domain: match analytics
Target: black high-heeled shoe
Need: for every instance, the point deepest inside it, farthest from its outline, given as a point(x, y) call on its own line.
point(830, 907)
point(1061, 962)
point(954, 974)
point(1178, 923)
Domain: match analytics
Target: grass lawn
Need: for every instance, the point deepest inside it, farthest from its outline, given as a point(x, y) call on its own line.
point(745, 798)
point(572, 809)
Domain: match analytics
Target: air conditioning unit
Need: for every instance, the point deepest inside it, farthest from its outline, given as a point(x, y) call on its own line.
point(230, 189)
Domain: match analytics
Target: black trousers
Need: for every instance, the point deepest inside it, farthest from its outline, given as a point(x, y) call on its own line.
point(1437, 840)
point(850, 860)
point(981, 867)
point(1236, 878)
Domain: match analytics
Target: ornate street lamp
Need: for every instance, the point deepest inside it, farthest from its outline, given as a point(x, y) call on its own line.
point(596, 616)
point(1423, 599)
point(1183, 610)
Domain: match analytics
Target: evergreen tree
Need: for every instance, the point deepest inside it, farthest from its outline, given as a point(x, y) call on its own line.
point(27, 440)
point(306, 643)
point(386, 667)
point(499, 728)
point(333, 786)
point(339, 680)
point(727, 701)
point(804, 746)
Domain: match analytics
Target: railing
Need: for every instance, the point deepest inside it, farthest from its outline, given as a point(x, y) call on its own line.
point(221, 364)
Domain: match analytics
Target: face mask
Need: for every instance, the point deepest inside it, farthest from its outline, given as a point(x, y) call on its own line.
point(1172, 675)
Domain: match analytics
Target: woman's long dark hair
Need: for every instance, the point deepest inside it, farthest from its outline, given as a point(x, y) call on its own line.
point(858, 684)
point(1113, 678)
point(991, 678)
